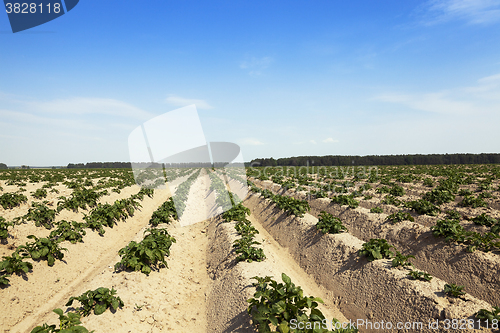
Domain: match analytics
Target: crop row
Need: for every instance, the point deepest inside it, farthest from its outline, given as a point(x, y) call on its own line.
point(224, 198)
point(92, 301)
point(49, 248)
point(244, 246)
point(182, 192)
point(376, 249)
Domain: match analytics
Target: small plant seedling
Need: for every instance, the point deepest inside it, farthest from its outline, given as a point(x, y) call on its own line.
point(4, 279)
point(402, 260)
point(377, 210)
point(67, 324)
point(490, 316)
point(327, 223)
point(416, 275)
point(391, 200)
point(376, 249)
point(97, 301)
point(400, 216)
point(453, 290)
point(138, 307)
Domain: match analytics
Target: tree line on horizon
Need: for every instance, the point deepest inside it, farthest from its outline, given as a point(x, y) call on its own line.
point(330, 160)
point(415, 159)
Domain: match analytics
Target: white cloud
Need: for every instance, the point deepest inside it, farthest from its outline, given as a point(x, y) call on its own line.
point(483, 98)
point(330, 140)
point(432, 102)
point(181, 101)
point(255, 66)
point(471, 11)
point(81, 105)
point(251, 142)
point(313, 142)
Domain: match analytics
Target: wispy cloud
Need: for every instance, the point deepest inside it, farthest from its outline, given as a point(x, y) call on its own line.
point(471, 11)
point(255, 66)
point(181, 101)
point(483, 98)
point(251, 142)
point(330, 140)
point(81, 106)
point(313, 142)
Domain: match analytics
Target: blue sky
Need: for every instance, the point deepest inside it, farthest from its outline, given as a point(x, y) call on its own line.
point(279, 78)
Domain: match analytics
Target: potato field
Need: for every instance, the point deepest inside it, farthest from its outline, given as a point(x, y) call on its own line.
point(307, 249)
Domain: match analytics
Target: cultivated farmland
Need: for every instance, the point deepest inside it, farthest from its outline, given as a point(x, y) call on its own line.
point(361, 244)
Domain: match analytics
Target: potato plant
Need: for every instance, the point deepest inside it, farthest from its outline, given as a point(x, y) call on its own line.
point(402, 260)
point(42, 248)
point(345, 200)
point(422, 276)
point(376, 210)
point(439, 196)
point(453, 290)
point(491, 316)
point(15, 264)
point(237, 213)
point(70, 231)
point(4, 225)
point(474, 202)
point(97, 301)
point(148, 254)
point(11, 200)
point(275, 307)
point(391, 200)
point(246, 251)
point(376, 249)
point(41, 215)
point(422, 206)
point(39, 193)
point(291, 205)
point(400, 216)
point(108, 215)
point(164, 214)
point(484, 219)
point(327, 223)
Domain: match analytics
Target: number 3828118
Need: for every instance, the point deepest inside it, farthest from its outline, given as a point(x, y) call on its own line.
point(32, 8)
